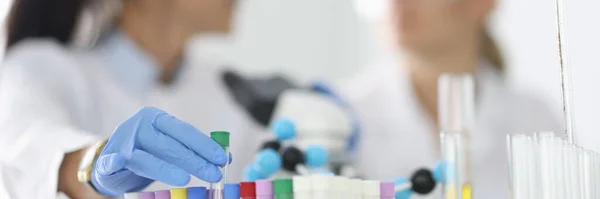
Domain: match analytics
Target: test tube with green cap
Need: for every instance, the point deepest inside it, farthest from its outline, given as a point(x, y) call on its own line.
point(283, 189)
point(217, 189)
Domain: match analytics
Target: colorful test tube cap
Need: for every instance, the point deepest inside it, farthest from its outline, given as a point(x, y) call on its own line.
point(164, 194)
point(232, 191)
point(179, 193)
point(264, 188)
point(283, 187)
point(248, 189)
point(387, 190)
point(221, 137)
point(147, 195)
point(196, 192)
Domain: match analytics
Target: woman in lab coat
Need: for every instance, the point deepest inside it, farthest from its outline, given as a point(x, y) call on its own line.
point(397, 102)
point(58, 99)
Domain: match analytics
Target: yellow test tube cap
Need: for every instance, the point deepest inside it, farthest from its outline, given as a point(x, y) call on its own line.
point(180, 193)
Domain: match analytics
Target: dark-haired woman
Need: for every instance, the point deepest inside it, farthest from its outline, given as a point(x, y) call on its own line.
point(61, 98)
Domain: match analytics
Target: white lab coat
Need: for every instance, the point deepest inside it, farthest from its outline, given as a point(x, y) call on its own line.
point(55, 100)
point(399, 137)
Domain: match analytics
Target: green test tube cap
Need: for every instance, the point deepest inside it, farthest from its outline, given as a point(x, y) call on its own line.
point(221, 137)
point(283, 186)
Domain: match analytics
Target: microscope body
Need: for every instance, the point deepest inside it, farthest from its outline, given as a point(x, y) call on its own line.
point(318, 121)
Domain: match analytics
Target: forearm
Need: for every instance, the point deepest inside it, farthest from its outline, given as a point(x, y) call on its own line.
point(68, 182)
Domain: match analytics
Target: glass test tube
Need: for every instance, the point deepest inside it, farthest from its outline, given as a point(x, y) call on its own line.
point(371, 189)
point(587, 174)
point(302, 187)
point(456, 105)
point(217, 189)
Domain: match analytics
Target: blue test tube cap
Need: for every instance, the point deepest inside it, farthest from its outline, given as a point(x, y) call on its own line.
point(406, 191)
point(196, 192)
point(316, 156)
point(267, 162)
point(284, 129)
point(232, 191)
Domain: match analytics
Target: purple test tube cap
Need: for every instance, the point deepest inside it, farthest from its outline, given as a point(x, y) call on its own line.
point(264, 188)
point(164, 194)
point(387, 190)
point(147, 195)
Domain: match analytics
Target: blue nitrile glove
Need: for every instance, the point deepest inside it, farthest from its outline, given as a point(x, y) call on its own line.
point(153, 145)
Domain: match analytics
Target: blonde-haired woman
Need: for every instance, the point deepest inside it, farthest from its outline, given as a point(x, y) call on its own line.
point(397, 98)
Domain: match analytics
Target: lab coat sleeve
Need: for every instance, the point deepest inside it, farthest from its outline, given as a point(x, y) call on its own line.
point(36, 122)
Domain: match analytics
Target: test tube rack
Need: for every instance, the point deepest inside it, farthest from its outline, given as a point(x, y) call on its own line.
point(550, 167)
point(298, 187)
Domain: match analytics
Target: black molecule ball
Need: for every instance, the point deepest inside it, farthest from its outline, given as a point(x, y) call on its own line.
point(422, 181)
point(273, 144)
point(291, 158)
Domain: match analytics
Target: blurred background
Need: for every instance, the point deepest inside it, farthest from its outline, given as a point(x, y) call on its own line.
point(333, 40)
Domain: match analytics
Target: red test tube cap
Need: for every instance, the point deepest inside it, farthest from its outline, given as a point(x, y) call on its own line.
point(247, 189)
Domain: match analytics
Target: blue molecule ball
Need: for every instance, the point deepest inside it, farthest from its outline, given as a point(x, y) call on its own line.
point(447, 169)
point(267, 162)
point(437, 171)
point(316, 156)
point(284, 129)
point(402, 194)
point(325, 173)
point(252, 175)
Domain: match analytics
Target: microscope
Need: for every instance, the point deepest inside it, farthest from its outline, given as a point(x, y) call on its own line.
point(313, 131)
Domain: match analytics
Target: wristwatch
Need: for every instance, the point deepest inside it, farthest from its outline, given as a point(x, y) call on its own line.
point(84, 174)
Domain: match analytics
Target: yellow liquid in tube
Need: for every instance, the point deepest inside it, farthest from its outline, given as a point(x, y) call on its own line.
point(466, 191)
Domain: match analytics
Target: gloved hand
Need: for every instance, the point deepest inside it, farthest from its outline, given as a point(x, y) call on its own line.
point(153, 145)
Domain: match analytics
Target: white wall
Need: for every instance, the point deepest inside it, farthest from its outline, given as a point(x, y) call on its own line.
point(528, 30)
point(305, 38)
point(325, 38)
